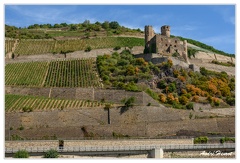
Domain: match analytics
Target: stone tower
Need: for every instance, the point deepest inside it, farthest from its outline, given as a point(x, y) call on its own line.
point(149, 33)
point(165, 30)
point(185, 53)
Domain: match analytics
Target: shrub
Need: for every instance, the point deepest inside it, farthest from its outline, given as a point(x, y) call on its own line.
point(195, 98)
point(154, 95)
point(223, 140)
point(230, 101)
point(200, 140)
point(51, 154)
point(177, 105)
point(183, 100)
point(176, 54)
point(129, 102)
point(162, 98)
point(162, 84)
point(21, 154)
point(88, 49)
point(27, 109)
point(117, 48)
point(189, 106)
point(171, 87)
point(21, 128)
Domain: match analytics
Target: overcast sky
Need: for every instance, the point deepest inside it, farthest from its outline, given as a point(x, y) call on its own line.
point(211, 24)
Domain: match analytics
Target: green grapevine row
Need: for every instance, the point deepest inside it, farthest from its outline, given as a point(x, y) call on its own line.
point(16, 103)
point(32, 47)
point(60, 73)
point(25, 74)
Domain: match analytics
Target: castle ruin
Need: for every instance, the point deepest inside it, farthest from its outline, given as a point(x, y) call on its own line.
point(163, 44)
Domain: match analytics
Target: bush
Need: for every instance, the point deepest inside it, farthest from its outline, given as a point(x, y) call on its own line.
point(51, 154)
point(27, 109)
point(171, 87)
point(223, 140)
point(88, 49)
point(117, 48)
point(154, 95)
point(189, 106)
point(200, 140)
point(183, 100)
point(21, 154)
point(129, 102)
point(230, 101)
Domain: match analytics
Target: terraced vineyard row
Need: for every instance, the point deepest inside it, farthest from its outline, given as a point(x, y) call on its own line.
point(9, 45)
point(28, 47)
point(26, 74)
point(72, 73)
point(60, 73)
point(16, 103)
point(32, 47)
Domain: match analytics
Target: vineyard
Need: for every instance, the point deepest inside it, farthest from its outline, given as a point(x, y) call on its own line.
point(28, 47)
point(33, 47)
point(60, 73)
point(26, 74)
point(9, 45)
point(16, 103)
point(72, 73)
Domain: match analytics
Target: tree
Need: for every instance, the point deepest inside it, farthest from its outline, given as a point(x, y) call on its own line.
point(21, 154)
point(73, 28)
point(51, 154)
point(105, 25)
point(114, 25)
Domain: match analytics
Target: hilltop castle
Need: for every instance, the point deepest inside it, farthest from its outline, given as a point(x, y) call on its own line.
point(163, 44)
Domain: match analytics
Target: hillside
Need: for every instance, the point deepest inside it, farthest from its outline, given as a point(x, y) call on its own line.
point(90, 72)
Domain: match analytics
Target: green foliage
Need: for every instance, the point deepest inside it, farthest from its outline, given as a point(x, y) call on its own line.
point(162, 84)
point(190, 115)
point(114, 25)
point(227, 139)
point(117, 48)
point(189, 106)
point(228, 64)
point(51, 154)
point(88, 49)
point(176, 54)
point(16, 137)
point(191, 52)
point(27, 109)
point(131, 87)
point(21, 154)
point(129, 102)
point(201, 140)
point(151, 93)
point(204, 46)
point(123, 71)
point(230, 101)
point(183, 100)
point(21, 128)
point(172, 87)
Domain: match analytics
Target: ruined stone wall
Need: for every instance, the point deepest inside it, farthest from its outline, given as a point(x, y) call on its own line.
point(167, 46)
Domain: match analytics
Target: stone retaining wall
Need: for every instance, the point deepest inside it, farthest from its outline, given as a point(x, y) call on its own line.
point(114, 96)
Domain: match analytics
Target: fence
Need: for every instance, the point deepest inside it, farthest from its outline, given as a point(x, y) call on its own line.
point(128, 148)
